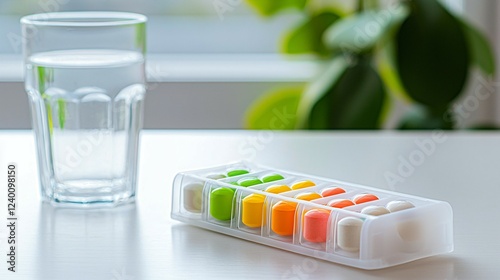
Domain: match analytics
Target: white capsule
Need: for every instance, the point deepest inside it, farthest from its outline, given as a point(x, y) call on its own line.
point(216, 176)
point(398, 205)
point(348, 233)
point(193, 197)
point(375, 210)
point(408, 230)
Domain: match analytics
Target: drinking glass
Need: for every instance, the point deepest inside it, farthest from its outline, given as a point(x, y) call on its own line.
point(85, 79)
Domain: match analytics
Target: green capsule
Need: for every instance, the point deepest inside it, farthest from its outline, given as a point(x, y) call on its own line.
point(237, 172)
point(249, 181)
point(272, 177)
point(221, 203)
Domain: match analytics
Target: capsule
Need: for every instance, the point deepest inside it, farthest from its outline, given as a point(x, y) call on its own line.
point(375, 210)
point(349, 234)
point(332, 191)
point(303, 185)
point(308, 196)
point(271, 177)
point(221, 203)
point(340, 203)
point(251, 212)
point(283, 218)
point(192, 194)
point(363, 198)
point(315, 225)
point(278, 189)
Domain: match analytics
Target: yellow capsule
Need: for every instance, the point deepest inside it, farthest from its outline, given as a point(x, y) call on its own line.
point(278, 189)
point(251, 210)
point(252, 206)
point(308, 196)
point(303, 184)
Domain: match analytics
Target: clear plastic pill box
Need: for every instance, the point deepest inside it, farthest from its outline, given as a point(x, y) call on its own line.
point(336, 221)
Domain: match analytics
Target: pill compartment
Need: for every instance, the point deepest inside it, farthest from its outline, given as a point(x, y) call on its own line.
point(410, 234)
point(281, 213)
point(314, 224)
point(347, 230)
point(207, 173)
point(251, 207)
point(188, 196)
point(313, 189)
point(191, 193)
point(220, 196)
point(305, 183)
point(219, 202)
point(223, 202)
point(280, 219)
point(398, 236)
point(192, 196)
point(349, 194)
point(380, 202)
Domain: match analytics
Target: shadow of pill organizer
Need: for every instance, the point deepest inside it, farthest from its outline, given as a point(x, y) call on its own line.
point(327, 219)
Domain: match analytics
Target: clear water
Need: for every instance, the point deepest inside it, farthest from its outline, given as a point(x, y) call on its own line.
point(87, 113)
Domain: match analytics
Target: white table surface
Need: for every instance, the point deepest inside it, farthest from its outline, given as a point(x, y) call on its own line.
point(140, 241)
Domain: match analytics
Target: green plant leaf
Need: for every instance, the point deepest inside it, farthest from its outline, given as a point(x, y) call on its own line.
point(48, 110)
point(307, 37)
point(318, 88)
point(352, 99)
point(432, 54)
point(276, 110)
point(387, 70)
point(272, 7)
point(44, 77)
point(61, 106)
point(480, 49)
point(362, 31)
point(140, 36)
point(423, 118)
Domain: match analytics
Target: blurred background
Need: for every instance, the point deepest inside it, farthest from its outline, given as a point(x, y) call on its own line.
point(310, 64)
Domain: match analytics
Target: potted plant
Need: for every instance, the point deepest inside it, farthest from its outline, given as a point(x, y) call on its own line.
point(414, 50)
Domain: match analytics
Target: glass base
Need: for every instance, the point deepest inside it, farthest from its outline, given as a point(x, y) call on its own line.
point(91, 194)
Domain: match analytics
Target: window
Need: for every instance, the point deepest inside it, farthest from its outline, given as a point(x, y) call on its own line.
point(199, 53)
point(175, 26)
point(194, 48)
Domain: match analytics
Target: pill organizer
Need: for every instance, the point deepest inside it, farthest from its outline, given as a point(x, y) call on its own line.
point(336, 221)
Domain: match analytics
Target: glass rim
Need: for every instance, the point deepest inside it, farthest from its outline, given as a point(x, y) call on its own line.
point(84, 19)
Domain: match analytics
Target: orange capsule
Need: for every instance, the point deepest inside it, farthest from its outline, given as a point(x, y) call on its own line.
point(332, 191)
point(283, 218)
point(283, 214)
point(362, 198)
point(340, 203)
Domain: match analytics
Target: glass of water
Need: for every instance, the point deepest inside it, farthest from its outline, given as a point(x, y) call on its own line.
point(85, 79)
